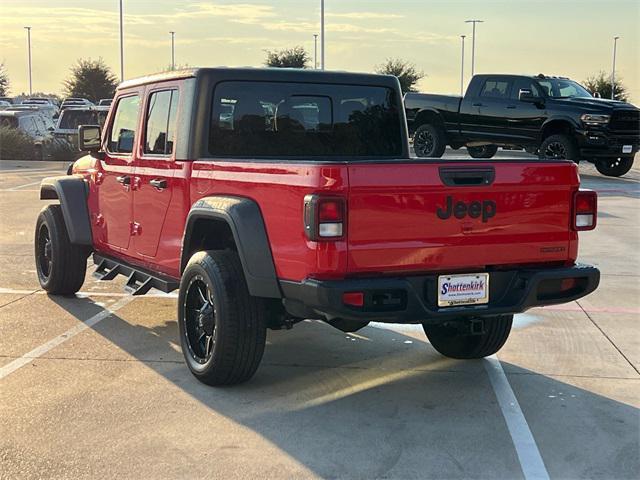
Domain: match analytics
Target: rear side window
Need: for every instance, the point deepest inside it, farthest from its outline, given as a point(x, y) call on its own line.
point(124, 126)
point(495, 89)
point(161, 122)
point(267, 119)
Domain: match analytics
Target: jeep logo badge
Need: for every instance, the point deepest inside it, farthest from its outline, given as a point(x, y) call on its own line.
point(486, 209)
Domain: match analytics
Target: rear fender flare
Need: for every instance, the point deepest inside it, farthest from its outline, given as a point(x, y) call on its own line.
point(72, 193)
point(244, 218)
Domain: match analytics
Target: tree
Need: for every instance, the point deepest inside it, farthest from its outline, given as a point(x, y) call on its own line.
point(296, 57)
point(4, 81)
point(601, 83)
point(406, 72)
point(91, 79)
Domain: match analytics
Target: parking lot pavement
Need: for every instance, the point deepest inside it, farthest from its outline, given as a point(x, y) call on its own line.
point(95, 386)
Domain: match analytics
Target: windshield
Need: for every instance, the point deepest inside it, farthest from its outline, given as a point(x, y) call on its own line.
point(563, 88)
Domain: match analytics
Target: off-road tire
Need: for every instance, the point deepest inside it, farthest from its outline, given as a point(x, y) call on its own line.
point(558, 147)
point(60, 265)
point(485, 151)
point(451, 343)
point(239, 320)
point(429, 141)
point(614, 167)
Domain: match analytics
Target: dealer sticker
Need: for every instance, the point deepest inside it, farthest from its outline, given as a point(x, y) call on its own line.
point(627, 148)
point(469, 289)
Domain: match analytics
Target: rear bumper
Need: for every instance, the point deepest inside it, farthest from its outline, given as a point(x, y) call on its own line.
point(415, 298)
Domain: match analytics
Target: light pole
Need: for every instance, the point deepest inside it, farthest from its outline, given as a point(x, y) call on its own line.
point(613, 68)
point(173, 50)
point(473, 44)
point(322, 34)
point(121, 46)
point(28, 29)
point(315, 50)
point(462, 68)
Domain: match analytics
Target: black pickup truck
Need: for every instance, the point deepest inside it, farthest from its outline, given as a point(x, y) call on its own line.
point(550, 116)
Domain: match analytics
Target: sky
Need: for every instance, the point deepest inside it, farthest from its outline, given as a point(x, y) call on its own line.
point(558, 37)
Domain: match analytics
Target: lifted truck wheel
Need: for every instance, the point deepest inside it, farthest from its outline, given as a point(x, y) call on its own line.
point(222, 327)
point(614, 167)
point(60, 265)
point(429, 141)
point(485, 151)
point(559, 147)
point(452, 341)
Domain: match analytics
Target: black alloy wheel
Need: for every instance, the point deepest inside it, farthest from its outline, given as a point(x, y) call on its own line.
point(199, 316)
point(45, 253)
point(555, 150)
point(423, 142)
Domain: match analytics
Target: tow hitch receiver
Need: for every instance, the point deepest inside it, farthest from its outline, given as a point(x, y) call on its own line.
point(476, 326)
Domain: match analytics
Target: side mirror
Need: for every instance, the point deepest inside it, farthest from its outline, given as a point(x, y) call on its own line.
point(89, 138)
point(51, 129)
point(596, 94)
point(526, 95)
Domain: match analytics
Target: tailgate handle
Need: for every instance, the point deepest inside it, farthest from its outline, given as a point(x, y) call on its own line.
point(467, 177)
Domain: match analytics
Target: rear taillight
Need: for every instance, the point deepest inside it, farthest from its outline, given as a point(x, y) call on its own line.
point(324, 217)
point(585, 210)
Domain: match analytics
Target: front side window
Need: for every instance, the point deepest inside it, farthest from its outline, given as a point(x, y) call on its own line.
point(161, 120)
point(563, 88)
point(495, 89)
point(121, 139)
point(267, 119)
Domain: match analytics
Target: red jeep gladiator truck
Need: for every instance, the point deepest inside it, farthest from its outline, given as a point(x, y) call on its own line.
point(272, 196)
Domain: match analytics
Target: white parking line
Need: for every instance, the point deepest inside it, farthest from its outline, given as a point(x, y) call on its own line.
point(13, 189)
point(72, 332)
point(530, 459)
point(156, 294)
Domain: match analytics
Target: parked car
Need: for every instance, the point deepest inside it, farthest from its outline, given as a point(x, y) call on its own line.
point(75, 102)
point(35, 126)
point(38, 101)
point(104, 102)
point(4, 104)
point(305, 204)
point(71, 118)
point(7, 99)
point(554, 117)
point(46, 109)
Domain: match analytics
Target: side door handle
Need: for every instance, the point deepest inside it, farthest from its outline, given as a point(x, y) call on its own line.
point(476, 104)
point(158, 183)
point(511, 106)
point(124, 180)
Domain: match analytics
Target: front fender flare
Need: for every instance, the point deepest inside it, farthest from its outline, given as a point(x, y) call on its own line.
point(247, 226)
point(72, 193)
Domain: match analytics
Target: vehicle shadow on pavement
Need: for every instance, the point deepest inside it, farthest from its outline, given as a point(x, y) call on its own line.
point(383, 404)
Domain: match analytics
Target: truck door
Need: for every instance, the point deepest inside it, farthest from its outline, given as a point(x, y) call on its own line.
point(484, 111)
point(113, 182)
point(154, 171)
point(525, 118)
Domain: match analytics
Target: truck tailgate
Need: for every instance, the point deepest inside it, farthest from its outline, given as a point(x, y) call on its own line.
point(418, 216)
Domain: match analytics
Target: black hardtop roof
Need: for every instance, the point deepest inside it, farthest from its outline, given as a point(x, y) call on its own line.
point(266, 74)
